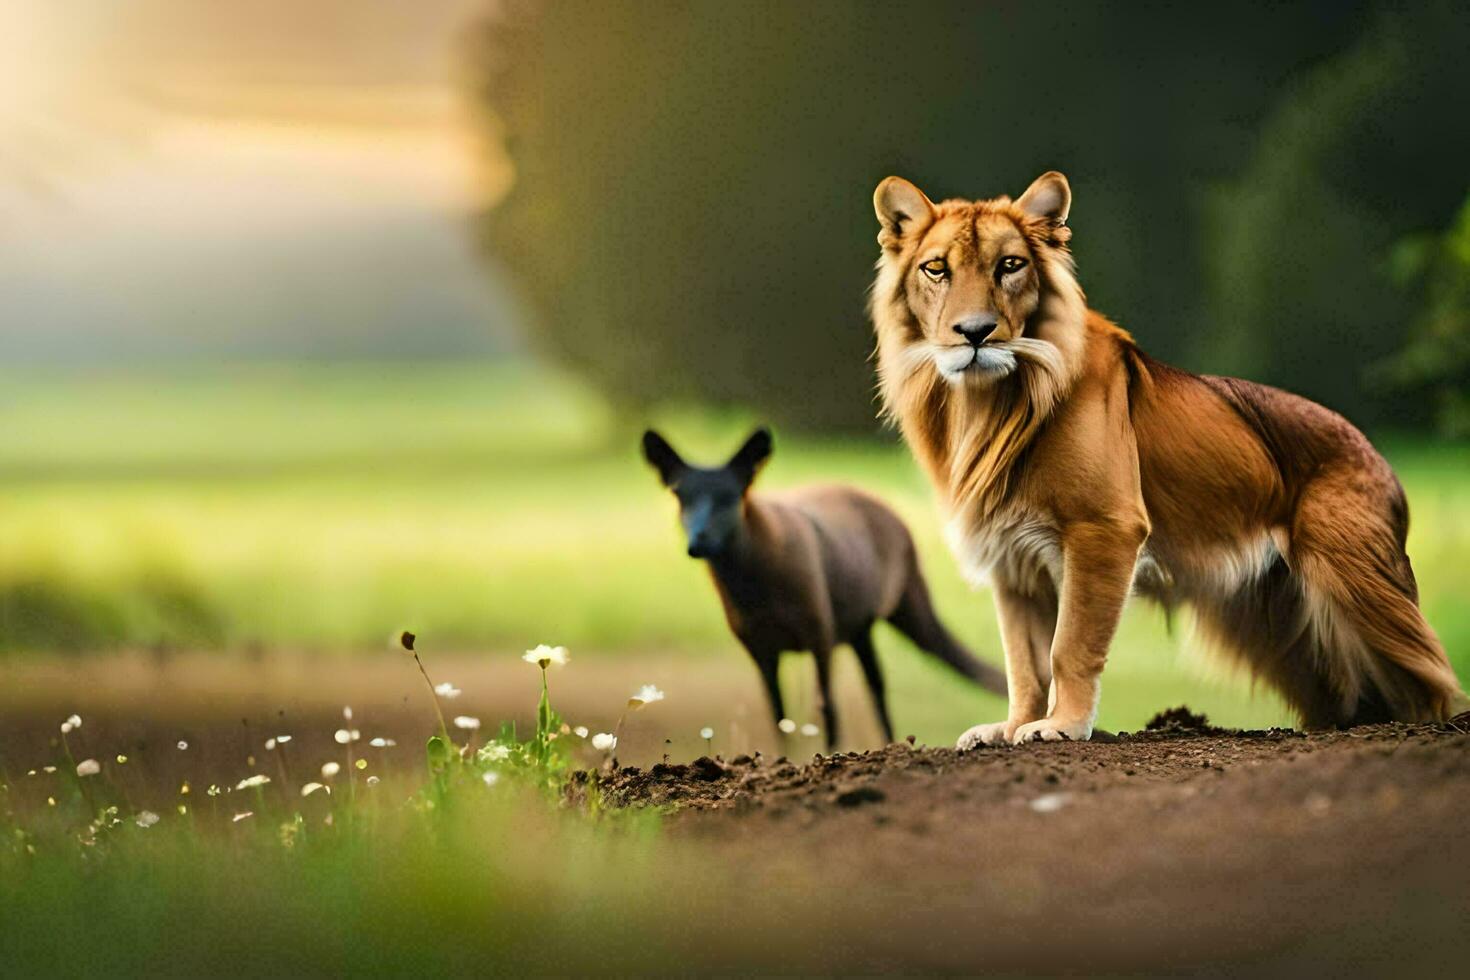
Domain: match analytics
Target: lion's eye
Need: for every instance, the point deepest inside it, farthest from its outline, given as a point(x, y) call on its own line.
point(935, 268)
point(1011, 263)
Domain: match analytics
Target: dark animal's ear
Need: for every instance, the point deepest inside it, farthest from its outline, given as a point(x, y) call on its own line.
point(661, 456)
point(1049, 197)
point(746, 462)
point(902, 211)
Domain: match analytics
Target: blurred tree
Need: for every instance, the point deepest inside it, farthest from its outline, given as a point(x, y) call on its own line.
point(1365, 148)
point(1436, 361)
point(691, 216)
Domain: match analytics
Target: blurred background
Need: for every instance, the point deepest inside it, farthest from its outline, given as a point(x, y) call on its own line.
point(324, 320)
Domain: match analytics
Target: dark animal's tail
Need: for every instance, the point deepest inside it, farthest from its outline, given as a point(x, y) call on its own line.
point(915, 618)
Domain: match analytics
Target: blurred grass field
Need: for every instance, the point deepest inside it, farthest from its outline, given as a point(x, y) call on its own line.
point(317, 509)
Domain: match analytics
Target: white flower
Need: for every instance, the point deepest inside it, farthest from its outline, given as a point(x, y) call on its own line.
point(382, 743)
point(809, 729)
point(491, 778)
point(786, 725)
point(344, 735)
point(647, 694)
point(250, 782)
point(242, 816)
point(330, 769)
point(373, 780)
point(604, 742)
point(282, 739)
point(447, 690)
point(494, 753)
point(544, 655)
point(270, 744)
point(71, 724)
point(147, 818)
point(467, 722)
point(310, 788)
point(347, 713)
point(706, 733)
point(46, 769)
point(183, 745)
point(580, 731)
point(88, 767)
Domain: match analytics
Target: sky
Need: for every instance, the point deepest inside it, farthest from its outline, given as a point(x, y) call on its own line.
point(206, 178)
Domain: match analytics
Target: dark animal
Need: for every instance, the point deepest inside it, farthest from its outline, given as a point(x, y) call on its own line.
point(807, 569)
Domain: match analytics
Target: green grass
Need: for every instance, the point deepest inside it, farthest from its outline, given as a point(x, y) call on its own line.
point(487, 506)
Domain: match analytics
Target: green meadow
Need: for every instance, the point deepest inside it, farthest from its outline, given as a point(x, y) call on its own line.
point(489, 506)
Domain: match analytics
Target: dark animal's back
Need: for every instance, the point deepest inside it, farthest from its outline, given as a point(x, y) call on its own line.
point(866, 551)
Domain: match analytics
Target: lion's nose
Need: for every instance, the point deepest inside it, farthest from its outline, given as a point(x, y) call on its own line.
point(976, 328)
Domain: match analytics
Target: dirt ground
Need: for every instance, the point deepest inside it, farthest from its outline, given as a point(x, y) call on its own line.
point(1183, 849)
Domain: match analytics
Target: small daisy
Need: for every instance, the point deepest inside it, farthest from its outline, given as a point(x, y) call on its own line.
point(345, 735)
point(373, 780)
point(382, 743)
point(604, 742)
point(88, 767)
point(250, 782)
point(646, 695)
point(330, 769)
point(183, 745)
point(147, 818)
point(447, 690)
point(467, 722)
point(543, 656)
point(243, 816)
point(706, 733)
point(786, 725)
point(580, 731)
point(310, 788)
point(809, 729)
point(491, 778)
point(494, 753)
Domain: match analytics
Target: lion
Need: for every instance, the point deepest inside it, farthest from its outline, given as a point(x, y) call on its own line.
point(1073, 469)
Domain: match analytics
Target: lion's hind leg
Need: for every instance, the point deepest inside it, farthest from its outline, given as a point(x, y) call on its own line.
point(1361, 602)
point(1331, 620)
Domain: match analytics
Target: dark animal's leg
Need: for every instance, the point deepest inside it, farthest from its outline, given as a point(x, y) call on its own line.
point(862, 645)
point(769, 664)
point(824, 694)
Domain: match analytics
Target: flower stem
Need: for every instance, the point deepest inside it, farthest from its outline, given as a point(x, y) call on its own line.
point(443, 728)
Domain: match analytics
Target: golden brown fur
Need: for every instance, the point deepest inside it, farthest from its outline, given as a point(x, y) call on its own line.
point(1072, 469)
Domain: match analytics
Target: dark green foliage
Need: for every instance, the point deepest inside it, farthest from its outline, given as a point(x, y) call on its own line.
point(1435, 366)
point(691, 216)
point(1364, 149)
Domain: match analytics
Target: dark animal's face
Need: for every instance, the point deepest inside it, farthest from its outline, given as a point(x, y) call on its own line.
point(711, 501)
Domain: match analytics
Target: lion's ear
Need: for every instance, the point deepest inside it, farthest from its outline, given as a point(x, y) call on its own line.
point(902, 209)
point(1049, 197)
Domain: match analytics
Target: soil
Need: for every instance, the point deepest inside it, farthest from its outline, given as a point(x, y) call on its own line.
point(1181, 848)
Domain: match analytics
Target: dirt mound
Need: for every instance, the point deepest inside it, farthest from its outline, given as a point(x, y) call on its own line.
point(1178, 849)
point(1175, 744)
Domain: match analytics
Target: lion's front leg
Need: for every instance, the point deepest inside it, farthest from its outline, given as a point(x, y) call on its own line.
point(1097, 573)
point(1026, 626)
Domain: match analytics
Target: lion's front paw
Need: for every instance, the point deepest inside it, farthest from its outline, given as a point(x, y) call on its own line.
point(1053, 730)
point(995, 733)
